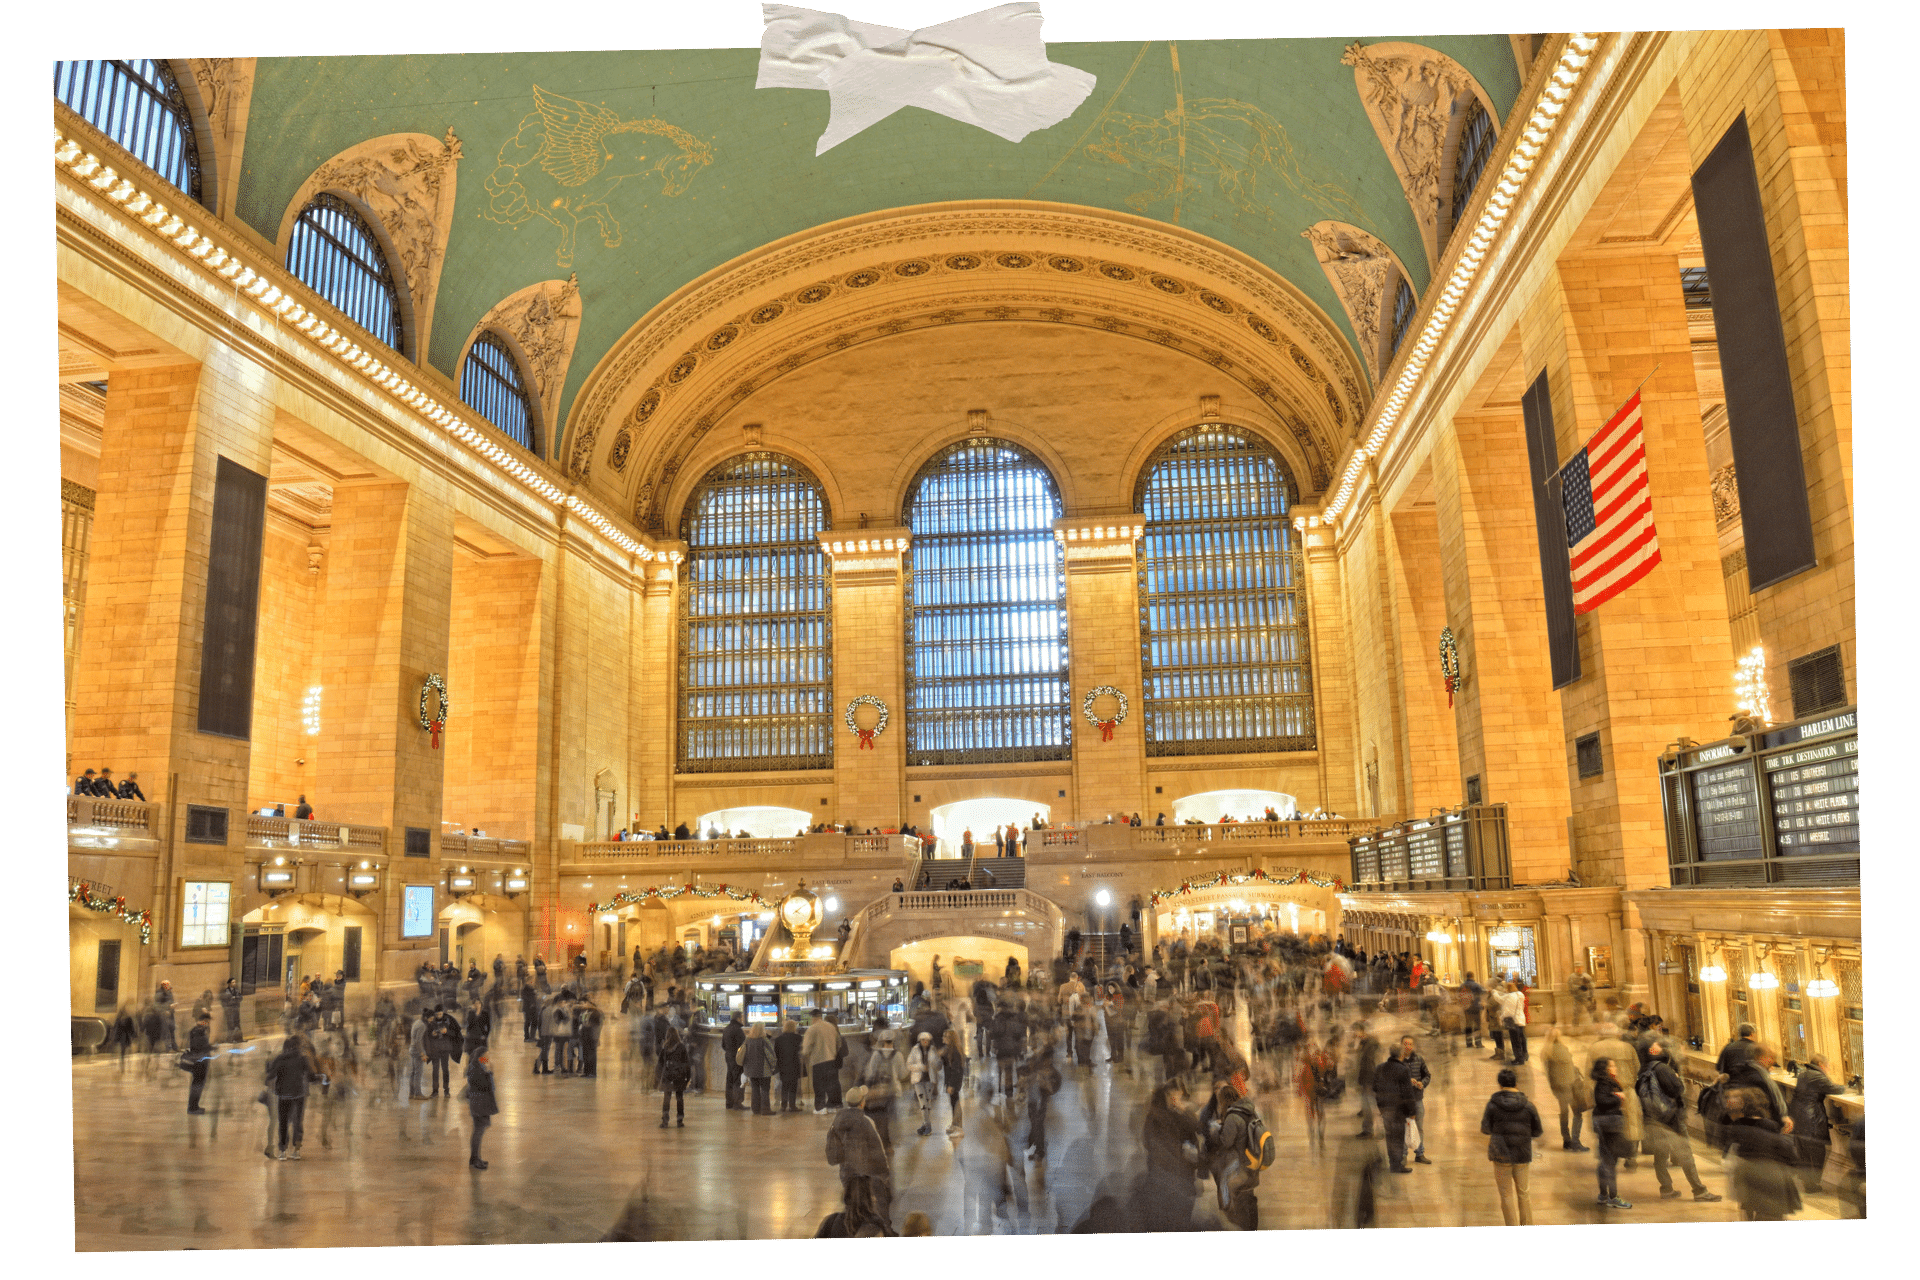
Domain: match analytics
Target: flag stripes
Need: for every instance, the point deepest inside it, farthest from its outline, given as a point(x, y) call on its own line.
point(1611, 540)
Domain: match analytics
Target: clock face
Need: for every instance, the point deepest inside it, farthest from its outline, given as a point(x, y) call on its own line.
point(796, 911)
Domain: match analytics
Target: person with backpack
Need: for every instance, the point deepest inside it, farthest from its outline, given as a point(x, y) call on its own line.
point(856, 1148)
point(1511, 1123)
point(1663, 1107)
point(676, 1071)
point(1321, 1086)
point(1241, 1147)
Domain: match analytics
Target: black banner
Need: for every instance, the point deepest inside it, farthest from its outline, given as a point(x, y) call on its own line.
point(1550, 523)
point(232, 615)
point(1761, 423)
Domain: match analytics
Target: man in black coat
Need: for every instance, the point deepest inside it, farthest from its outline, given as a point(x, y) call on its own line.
point(1366, 1062)
point(163, 1004)
point(1808, 1111)
point(1663, 1119)
point(230, 1012)
point(440, 1041)
point(288, 1074)
point(303, 811)
point(83, 785)
point(130, 788)
point(105, 787)
point(1739, 1049)
point(1394, 1094)
point(1009, 1037)
point(731, 1039)
point(1419, 1077)
point(199, 1054)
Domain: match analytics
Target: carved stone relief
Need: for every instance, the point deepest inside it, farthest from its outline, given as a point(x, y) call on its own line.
point(408, 181)
point(1359, 267)
point(1411, 94)
point(1726, 497)
point(226, 92)
point(542, 323)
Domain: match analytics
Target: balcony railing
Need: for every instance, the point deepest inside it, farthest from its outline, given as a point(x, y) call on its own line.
point(89, 818)
point(485, 847)
point(777, 849)
point(293, 833)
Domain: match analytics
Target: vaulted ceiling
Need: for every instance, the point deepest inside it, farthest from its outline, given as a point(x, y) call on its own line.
point(684, 166)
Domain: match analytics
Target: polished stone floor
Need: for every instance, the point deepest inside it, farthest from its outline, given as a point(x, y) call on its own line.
point(572, 1158)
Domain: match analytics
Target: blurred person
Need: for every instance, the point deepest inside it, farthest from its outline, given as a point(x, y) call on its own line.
point(1239, 1150)
point(1614, 1042)
point(884, 1073)
point(675, 1071)
point(417, 1053)
point(756, 1064)
point(587, 1022)
point(1737, 1050)
point(1755, 1071)
point(288, 1074)
point(1580, 991)
point(820, 1051)
point(199, 1055)
point(787, 1062)
point(923, 1074)
point(529, 1010)
point(1663, 1108)
point(857, 1148)
point(163, 1003)
point(1320, 1086)
point(732, 1037)
point(230, 1012)
point(1807, 1109)
point(994, 1174)
point(482, 1106)
point(1420, 1078)
point(1762, 1156)
point(953, 1070)
point(1473, 999)
point(1511, 1123)
point(1609, 1129)
point(1040, 1079)
point(1393, 1094)
point(439, 1046)
point(860, 1216)
point(1366, 1062)
point(917, 1224)
point(1009, 1036)
point(1570, 1085)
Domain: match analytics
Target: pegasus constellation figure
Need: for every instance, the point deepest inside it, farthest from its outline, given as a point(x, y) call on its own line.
point(568, 157)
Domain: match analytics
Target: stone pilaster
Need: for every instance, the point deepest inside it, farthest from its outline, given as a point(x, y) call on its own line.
point(869, 659)
point(1103, 649)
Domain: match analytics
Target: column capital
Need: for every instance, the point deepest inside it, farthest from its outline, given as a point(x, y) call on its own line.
point(865, 550)
point(1098, 542)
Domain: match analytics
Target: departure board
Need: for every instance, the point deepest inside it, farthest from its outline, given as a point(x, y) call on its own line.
point(1366, 863)
point(1816, 798)
point(1726, 805)
point(1393, 859)
point(1426, 854)
point(1456, 848)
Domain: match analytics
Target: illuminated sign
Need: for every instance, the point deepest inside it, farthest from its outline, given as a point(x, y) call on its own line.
point(363, 879)
point(276, 877)
point(416, 911)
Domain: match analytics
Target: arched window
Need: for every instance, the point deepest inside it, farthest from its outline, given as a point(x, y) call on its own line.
point(986, 620)
point(1470, 157)
point(1223, 643)
point(756, 679)
point(334, 251)
point(137, 103)
point(1403, 309)
point(490, 382)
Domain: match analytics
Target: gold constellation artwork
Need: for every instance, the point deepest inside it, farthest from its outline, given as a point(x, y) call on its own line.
point(568, 157)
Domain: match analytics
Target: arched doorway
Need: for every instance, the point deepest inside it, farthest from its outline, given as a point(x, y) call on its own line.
point(1234, 802)
point(761, 821)
point(963, 957)
point(980, 816)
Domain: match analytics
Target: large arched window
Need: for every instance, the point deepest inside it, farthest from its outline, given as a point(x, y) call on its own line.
point(1470, 156)
point(137, 103)
point(756, 679)
point(1223, 643)
point(1403, 309)
point(490, 382)
point(334, 251)
point(986, 622)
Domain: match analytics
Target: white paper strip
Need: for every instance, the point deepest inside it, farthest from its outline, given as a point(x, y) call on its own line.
point(988, 69)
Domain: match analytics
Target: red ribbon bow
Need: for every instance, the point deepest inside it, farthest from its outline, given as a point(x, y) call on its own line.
point(1106, 730)
point(435, 727)
point(866, 739)
point(1449, 690)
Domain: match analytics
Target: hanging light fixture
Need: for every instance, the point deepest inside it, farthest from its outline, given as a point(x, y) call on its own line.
point(1713, 973)
point(1761, 980)
point(1823, 987)
point(1434, 935)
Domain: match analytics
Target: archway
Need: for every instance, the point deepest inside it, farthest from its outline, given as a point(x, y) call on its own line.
point(963, 957)
point(1234, 802)
point(477, 927)
point(762, 821)
point(980, 816)
point(293, 938)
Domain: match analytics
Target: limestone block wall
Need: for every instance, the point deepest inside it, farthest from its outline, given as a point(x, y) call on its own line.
point(1430, 758)
point(1103, 648)
point(493, 676)
point(1378, 780)
point(290, 595)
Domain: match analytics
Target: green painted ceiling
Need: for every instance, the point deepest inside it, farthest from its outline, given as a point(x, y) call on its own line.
point(1275, 140)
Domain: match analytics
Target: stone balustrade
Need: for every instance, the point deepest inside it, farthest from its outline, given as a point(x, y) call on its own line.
point(485, 848)
point(93, 819)
point(293, 833)
point(778, 852)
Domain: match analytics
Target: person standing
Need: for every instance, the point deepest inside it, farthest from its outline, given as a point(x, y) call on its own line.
point(1615, 1043)
point(1393, 1093)
point(953, 1070)
point(1580, 991)
point(482, 1105)
point(756, 1063)
point(1570, 1086)
point(1763, 1180)
point(857, 1148)
point(787, 1061)
point(1609, 1130)
point(288, 1074)
point(1511, 1124)
point(1366, 1064)
point(163, 1003)
point(1320, 1086)
point(417, 1053)
point(230, 1012)
point(1009, 1037)
point(1474, 995)
point(676, 1071)
point(199, 1055)
point(560, 1027)
point(1663, 1110)
point(820, 1052)
point(587, 1022)
point(1420, 1078)
point(1235, 1180)
point(731, 1039)
point(1808, 1111)
point(439, 1047)
point(1513, 1017)
point(1739, 1049)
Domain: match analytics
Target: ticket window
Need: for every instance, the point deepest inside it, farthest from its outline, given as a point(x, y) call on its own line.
point(1512, 950)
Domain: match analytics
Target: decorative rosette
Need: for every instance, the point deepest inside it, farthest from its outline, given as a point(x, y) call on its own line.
point(1449, 662)
point(1106, 727)
point(880, 726)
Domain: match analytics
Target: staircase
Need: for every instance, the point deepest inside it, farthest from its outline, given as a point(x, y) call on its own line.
point(1008, 873)
point(1101, 947)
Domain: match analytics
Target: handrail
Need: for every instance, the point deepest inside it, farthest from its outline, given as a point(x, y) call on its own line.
point(296, 833)
point(1287, 829)
point(465, 846)
point(956, 900)
point(612, 850)
point(101, 816)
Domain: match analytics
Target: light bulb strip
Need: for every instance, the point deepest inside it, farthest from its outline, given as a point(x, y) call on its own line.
point(276, 301)
point(1501, 198)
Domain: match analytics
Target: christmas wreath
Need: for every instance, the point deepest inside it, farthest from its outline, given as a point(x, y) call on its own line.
point(1105, 726)
point(436, 720)
point(1228, 879)
point(677, 891)
point(82, 893)
point(1449, 662)
point(867, 735)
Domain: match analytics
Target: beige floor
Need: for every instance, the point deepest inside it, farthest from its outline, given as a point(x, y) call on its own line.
point(570, 1156)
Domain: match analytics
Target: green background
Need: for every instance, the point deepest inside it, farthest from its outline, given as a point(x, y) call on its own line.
point(37, 1165)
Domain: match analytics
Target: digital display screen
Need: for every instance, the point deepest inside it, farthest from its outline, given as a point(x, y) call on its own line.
point(763, 1013)
point(416, 911)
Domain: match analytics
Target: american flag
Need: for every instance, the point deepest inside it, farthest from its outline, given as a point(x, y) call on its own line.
point(1611, 543)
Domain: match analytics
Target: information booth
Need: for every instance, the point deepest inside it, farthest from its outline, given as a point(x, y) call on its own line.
point(854, 996)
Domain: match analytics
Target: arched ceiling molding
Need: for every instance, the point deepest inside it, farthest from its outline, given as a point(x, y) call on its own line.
point(540, 324)
point(908, 464)
point(1363, 271)
point(704, 350)
point(1415, 97)
point(407, 182)
point(719, 451)
point(1253, 419)
point(222, 88)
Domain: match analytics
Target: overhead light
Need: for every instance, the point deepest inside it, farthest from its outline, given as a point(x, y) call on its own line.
point(833, 904)
point(1713, 973)
point(1761, 980)
point(1823, 987)
point(1103, 898)
point(1434, 935)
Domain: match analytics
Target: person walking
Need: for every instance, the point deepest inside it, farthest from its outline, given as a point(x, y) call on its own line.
point(1571, 1088)
point(1393, 1093)
point(787, 1061)
point(1474, 996)
point(856, 1147)
point(756, 1063)
point(587, 1022)
point(482, 1105)
point(882, 1076)
point(1366, 1063)
point(1320, 1086)
point(923, 1074)
point(675, 1071)
point(820, 1053)
point(417, 1054)
point(1236, 1181)
point(560, 1028)
point(199, 1056)
point(230, 1012)
point(163, 1004)
point(1009, 1036)
point(1808, 1111)
point(732, 1037)
point(1763, 1157)
point(288, 1074)
point(1511, 1123)
point(1663, 1109)
point(1420, 1078)
point(953, 1069)
point(1609, 1130)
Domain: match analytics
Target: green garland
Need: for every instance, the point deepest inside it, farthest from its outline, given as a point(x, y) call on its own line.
point(1258, 876)
point(82, 893)
point(677, 891)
